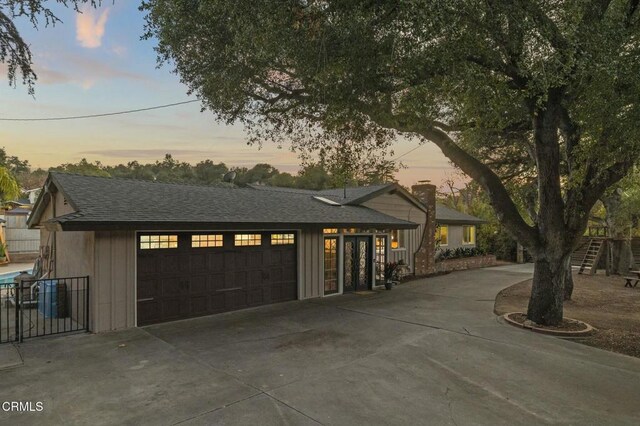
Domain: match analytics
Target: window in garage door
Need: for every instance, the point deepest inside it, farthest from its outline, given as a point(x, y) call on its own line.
point(150, 242)
point(212, 240)
point(247, 240)
point(282, 239)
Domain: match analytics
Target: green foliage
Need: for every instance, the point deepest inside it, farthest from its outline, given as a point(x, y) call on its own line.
point(83, 167)
point(14, 50)
point(9, 189)
point(459, 253)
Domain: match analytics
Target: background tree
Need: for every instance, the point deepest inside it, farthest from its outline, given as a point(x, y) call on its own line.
point(560, 80)
point(14, 50)
point(9, 188)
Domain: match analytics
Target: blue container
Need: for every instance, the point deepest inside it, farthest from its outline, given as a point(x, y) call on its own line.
point(48, 298)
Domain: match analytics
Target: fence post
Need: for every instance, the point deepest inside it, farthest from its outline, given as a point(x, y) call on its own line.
point(17, 289)
point(86, 318)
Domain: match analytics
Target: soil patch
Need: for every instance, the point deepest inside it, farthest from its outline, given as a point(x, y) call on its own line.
point(565, 325)
point(598, 300)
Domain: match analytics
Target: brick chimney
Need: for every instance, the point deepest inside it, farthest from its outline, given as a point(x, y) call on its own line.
point(424, 260)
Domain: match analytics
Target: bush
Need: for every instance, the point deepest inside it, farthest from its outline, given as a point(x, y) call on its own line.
point(459, 253)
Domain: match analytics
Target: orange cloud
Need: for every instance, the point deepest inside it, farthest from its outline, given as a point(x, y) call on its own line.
point(90, 27)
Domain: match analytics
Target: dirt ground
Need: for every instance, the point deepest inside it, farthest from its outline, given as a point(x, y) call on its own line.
point(604, 302)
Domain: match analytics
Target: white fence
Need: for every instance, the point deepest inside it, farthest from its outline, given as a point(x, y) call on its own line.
point(19, 238)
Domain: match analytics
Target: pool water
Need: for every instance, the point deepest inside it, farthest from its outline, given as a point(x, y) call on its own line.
point(7, 279)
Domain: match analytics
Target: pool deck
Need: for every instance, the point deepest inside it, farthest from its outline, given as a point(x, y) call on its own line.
point(15, 267)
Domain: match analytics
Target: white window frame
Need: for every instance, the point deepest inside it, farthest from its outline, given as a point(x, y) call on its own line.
point(473, 234)
point(401, 238)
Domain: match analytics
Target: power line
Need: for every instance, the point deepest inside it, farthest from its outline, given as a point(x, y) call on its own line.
point(407, 153)
point(107, 114)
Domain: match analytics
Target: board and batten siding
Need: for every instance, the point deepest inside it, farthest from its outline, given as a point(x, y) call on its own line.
point(398, 207)
point(114, 281)
point(310, 264)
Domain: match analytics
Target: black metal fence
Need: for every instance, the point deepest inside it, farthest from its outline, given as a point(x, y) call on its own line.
point(34, 308)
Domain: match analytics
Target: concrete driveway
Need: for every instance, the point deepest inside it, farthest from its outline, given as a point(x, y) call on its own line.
point(428, 352)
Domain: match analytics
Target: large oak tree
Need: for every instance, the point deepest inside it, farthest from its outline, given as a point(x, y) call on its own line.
point(551, 83)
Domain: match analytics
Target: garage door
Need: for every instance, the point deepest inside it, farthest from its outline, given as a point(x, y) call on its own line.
point(184, 275)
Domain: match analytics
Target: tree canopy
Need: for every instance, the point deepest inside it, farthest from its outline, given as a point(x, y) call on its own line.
point(14, 50)
point(542, 90)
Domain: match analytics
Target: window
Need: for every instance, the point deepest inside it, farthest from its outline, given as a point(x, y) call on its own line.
point(397, 239)
point(330, 265)
point(469, 234)
point(148, 242)
point(442, 235)
point(280, 239)
point(247, 240)
point(214, 240)
point(330, 230)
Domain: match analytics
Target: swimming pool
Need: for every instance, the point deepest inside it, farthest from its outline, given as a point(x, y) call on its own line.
point(7, 279)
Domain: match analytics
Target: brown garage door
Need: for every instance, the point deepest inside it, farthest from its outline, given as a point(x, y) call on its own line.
point(183, 275)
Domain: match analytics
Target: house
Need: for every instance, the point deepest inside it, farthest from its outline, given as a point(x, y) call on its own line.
point(158, 252)
point(455, 229)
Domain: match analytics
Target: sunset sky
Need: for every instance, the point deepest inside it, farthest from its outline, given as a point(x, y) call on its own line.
point(95, 63)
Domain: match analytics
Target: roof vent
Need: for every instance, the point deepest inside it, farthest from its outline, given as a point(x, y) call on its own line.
point(327, 201)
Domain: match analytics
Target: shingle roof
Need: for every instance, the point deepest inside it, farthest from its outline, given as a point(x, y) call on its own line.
point(125, 203)
point(445, 214)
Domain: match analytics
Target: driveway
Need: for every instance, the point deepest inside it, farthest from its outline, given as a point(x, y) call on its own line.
point(428, 352)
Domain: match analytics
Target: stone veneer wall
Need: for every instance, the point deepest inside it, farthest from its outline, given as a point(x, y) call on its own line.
point(424, 259)
point(463, 263)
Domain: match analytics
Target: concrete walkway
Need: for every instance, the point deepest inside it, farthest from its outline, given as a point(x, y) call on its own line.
point(428, 352)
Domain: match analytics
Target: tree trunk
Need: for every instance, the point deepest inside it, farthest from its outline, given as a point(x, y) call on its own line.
point(621, 256)
point(568, 280)
point(547, 292)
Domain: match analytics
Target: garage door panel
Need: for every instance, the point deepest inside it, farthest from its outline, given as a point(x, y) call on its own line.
point(172, 287)
point(150, 310)
point(216, 282)
point(199, 262)
point(147, 288)
point(216, 261)
point(172, 263)
point(175, 307)
point(199, 305)
point(147, 265)
point(199, 284)
point(185, 282)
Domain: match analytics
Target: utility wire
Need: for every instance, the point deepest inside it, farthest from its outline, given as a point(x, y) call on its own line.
point(107, 114)
point(407, 153)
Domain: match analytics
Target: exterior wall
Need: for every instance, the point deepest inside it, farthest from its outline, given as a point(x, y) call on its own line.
point(113, 284)
point(310, 264)
point(455, 237)
point(461, 264)
point(398, 207)
point(74, 253)
point(19, 238)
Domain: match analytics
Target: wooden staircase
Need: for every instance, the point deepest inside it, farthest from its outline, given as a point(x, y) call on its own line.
point(593, 252)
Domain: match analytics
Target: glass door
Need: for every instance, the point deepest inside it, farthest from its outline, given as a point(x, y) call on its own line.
point(357, 263)
point(381, 258)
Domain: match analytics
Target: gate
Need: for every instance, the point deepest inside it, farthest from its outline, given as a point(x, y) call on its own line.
point(44, 307)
